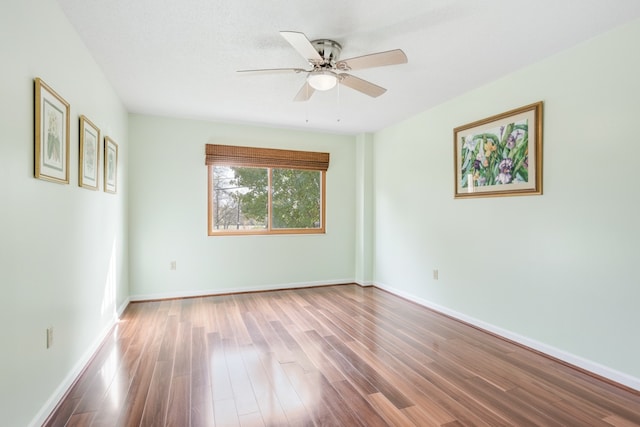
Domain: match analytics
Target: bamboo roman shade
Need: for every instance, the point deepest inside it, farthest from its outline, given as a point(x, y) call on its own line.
point(230, 155)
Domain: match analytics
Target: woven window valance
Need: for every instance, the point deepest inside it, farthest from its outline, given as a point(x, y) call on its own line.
point(265, 157)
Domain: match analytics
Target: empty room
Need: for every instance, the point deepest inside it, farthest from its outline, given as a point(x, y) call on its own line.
point(418, 213)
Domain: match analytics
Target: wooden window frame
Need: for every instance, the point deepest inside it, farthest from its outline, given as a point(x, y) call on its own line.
point(269, 159)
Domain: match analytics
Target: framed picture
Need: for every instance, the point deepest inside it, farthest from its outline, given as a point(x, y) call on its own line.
point(51, 134)
point(89, 154)
point(500, 155)
point(110, 165)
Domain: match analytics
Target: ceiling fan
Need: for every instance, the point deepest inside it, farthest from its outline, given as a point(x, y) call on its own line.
point(328, 70)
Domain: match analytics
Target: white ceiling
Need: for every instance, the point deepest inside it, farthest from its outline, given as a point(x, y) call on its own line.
point(179, 57)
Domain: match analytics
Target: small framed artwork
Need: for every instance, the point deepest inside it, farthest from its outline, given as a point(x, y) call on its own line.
point(500, 155)
point(110, 165)
point(51, 134)
point(89, 154)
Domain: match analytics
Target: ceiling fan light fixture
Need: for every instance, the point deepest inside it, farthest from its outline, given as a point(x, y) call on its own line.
point(322, 80)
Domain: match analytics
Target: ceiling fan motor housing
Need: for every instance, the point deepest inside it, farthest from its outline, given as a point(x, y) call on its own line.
point(329, 50)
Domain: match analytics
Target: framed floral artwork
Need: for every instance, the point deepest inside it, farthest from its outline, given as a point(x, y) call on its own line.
point(89, 154)
point(110, 165)
point(51, 134)
point(500, 155)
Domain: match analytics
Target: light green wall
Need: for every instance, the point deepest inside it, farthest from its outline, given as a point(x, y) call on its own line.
point(559, 269)
point(63, 256)
point(168, 214)
point(364, 209)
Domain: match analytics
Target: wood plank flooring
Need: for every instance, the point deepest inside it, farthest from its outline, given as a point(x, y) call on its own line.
point(327, 356)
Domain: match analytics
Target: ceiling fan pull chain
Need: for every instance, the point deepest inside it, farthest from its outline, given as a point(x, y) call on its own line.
point(306, 109)
point(338, 102)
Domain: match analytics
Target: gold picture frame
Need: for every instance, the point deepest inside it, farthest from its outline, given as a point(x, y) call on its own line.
point(110, 165)
point(52, 123)
point(89, 158)
point(500, 155)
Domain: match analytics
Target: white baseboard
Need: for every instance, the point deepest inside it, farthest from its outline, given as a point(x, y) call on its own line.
point(207, 292)
point(71, 377)
point(571, 359)
point(123, 307)
point(364, 284)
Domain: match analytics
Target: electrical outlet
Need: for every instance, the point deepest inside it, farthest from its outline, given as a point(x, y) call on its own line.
point(435, 274)
point(172, 265)
point(49, 336)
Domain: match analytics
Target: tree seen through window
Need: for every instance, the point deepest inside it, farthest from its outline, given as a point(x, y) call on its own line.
point(241, 199)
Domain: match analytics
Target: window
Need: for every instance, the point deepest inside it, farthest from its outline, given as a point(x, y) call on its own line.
point(265, 191)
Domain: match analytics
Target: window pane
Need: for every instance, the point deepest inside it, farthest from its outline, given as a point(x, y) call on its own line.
point(296, 198)
point(239, 198)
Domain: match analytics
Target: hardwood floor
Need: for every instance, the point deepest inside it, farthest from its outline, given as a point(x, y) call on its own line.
point(329, 356)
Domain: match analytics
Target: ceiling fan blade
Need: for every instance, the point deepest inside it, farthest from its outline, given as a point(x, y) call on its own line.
point(302, 45)
point(390, 57)
point(274, 70)
point(360, 85)
point(304, 93)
